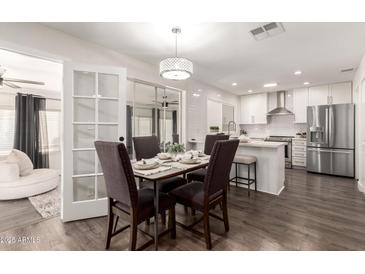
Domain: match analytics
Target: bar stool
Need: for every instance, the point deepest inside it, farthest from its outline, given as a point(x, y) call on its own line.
point(248, 161)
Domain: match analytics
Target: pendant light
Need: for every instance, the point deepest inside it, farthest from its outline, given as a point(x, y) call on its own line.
point(176, 68)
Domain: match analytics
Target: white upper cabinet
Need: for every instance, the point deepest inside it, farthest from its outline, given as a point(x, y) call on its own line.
point(341, 93)
point(338, 93)
point(318, 95)
point(300, 103)
point(254, 109)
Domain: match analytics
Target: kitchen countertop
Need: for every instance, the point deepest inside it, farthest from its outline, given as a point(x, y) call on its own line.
point(262, 144)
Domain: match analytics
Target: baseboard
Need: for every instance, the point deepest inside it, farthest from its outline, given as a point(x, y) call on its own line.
point(361, 186)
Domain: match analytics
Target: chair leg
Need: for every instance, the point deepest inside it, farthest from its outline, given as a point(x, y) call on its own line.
point(255, 178)
point(116, 223)
point(225, 212)
point(236, 174)
point(133, 232)
point(147, 222)
point(172, 223)
point(193, 212)
point(163, 217)
point(109, 225)
point(208, 241)
point(248, 173)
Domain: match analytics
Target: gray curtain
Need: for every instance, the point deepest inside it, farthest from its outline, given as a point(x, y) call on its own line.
point(31, 128)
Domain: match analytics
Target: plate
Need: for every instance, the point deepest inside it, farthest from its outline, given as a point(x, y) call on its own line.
point(146, 166)
point(190, 161)
point(163, 156)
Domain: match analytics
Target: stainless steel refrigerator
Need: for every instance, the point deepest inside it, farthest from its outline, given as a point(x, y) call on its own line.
point(331, 139)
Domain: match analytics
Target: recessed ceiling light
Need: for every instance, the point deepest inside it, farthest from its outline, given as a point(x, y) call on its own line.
point(196, 94)
point(218, 95)
point(298, 72)
point(199, 90)
point(306, 83)
point(249, 91)
point(234, 84)
point(269, 85)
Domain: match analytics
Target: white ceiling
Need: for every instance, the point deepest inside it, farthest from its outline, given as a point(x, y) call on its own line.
point(225, 52)
point(25, 67)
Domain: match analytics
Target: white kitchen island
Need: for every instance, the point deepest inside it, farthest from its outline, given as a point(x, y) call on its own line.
point(270, 165)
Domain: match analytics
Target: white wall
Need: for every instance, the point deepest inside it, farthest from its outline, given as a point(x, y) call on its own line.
point(359, 99)
point(41, 39)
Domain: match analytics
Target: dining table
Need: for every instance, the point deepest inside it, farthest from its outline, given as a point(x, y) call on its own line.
point(166, 169)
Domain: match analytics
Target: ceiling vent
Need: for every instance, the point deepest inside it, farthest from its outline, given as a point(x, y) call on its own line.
point(267, 30)
point(347, 70)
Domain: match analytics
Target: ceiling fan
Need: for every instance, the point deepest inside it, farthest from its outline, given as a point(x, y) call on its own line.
point(166, 103)
point(10, 81)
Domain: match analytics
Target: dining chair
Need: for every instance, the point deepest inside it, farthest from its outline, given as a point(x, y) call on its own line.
point(205, 196)
point(210, 140)
point(147, 147)
point(124, 197)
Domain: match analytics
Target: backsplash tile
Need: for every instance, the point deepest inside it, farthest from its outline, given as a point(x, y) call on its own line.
point(277, 125)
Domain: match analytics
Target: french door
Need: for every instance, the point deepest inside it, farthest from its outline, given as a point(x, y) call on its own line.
point(94, 108)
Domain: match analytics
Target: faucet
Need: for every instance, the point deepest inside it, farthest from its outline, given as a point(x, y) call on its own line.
point(229, 126)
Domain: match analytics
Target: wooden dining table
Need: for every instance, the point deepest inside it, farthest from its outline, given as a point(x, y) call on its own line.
point(169, 169)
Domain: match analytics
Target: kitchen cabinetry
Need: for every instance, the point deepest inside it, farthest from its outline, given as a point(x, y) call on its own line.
point(338, 93)
point(299, 152)
point(300, 103)
point(254, 109)
point(341, 93)
point(318, 95)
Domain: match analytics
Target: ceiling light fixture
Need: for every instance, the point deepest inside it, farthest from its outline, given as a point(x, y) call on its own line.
point(306, 83)
point(234, 84)
point(270, 85)
point(196, 94)
point(249, 91)
point(298, 72)
point(176, 68)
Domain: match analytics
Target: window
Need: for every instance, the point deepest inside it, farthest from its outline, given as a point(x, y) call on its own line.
point(53, 118)
point(7, 125)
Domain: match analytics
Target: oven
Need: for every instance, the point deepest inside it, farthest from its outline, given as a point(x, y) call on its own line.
point(288, 147)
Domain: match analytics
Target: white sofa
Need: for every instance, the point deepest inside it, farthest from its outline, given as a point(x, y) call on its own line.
point(39, 181)
point(13, 186)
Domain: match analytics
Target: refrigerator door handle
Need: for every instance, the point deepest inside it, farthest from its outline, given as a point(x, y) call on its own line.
point(319, 150)
point(326, 127)
point(331, 122)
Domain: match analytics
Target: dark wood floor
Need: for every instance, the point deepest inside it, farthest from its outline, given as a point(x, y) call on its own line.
point(313, 213)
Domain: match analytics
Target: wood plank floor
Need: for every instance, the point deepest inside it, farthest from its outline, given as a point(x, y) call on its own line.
point(314, 212)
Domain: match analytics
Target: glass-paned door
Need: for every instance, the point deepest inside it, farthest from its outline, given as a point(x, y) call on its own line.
point(155, 111)
point(93, 109)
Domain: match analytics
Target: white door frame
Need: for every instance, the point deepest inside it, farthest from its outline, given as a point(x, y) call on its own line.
point(72, 210)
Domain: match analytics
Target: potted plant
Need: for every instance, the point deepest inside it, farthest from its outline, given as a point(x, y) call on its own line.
point(175, 149)
point(214, 129)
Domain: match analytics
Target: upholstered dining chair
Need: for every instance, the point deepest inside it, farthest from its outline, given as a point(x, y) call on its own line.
point(124, 197)
point(147, 147)
point(205, 196)
point(210, 140)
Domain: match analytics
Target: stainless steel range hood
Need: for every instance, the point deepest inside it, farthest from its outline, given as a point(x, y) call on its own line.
point(280, 106)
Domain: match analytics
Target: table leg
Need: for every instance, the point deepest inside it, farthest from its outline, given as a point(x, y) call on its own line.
point(156, 192)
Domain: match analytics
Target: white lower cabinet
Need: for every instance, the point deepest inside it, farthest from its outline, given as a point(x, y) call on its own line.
point(299, 152)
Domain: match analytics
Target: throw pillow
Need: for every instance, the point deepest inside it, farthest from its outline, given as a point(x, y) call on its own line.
point(23, 161)
point(9, 172)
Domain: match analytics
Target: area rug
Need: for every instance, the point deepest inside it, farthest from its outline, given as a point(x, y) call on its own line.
point(47, 204)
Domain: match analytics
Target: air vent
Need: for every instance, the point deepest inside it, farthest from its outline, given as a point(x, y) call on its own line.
point(267, 30)
point(347, 70)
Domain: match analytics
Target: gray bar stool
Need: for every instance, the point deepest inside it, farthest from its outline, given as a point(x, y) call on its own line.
point(248, 161)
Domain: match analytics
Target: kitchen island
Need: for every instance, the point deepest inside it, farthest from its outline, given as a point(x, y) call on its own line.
point(270, 165)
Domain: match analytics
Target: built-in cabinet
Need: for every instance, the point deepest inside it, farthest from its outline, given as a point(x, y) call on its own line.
point(254, 109)
point(299, 152)
point(338, 93)
point(300, 103)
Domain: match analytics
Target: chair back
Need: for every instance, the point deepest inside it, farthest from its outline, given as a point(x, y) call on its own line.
point(146, 147)
point(219, 166)
point(210, 140)
point(118, 172)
